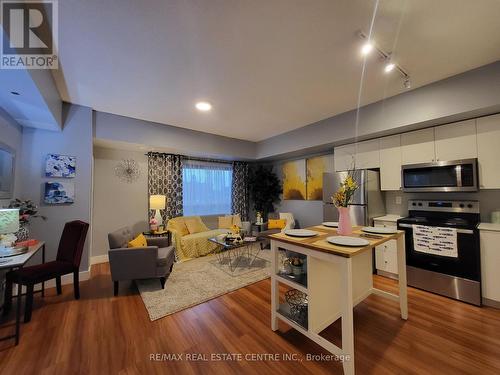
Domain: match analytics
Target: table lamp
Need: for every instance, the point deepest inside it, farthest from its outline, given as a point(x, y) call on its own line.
point(157, 203)
point(9, 224)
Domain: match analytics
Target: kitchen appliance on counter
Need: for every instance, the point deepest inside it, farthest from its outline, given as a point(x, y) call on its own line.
point(440, 176)
point(367, 203)
point(442, 248)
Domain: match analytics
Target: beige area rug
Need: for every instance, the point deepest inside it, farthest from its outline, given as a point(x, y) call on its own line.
point(197, 281)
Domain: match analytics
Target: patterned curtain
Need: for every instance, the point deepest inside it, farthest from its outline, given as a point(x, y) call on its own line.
point(239, 193)
point(165, 178)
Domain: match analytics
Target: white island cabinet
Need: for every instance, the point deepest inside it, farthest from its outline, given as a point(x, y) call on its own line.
point(490, 264)
point(386, 255)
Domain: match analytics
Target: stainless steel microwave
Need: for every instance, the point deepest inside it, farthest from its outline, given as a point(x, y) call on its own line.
point(440, 176)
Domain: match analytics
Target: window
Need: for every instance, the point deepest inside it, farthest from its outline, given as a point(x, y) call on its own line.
point(206, 188)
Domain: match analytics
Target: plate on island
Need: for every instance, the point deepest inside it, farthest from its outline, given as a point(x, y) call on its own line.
point(331, 224)
point(347, 241)
point(300, 233)
point(380, 230)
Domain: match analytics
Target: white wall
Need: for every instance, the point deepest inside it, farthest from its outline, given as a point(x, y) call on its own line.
point(75, 139)
point(11, 135)
point(116, 203)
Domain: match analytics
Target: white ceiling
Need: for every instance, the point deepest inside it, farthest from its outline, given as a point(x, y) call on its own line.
point(266, 66)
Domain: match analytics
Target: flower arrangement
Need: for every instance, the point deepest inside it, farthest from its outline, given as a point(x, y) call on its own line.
point(27, 210)
point(153, 224)
point(348, 187)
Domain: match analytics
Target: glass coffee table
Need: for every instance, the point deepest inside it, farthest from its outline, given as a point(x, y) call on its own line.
point(236, 254)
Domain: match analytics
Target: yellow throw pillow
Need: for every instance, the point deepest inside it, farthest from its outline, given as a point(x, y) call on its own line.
point(276, 223)
point(237, 220)
point(195, 225)
point(179, 226)
point(225, 222)
point(139, 241)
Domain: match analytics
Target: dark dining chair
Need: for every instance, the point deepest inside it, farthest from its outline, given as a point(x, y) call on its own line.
point(69, 255)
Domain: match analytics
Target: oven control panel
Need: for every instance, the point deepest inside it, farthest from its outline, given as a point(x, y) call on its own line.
point(443, 205)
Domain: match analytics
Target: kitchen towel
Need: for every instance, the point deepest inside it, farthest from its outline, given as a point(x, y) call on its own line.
point(435, 240)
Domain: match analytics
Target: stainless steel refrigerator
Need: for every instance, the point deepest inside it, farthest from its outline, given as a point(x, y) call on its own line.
point(367, 203)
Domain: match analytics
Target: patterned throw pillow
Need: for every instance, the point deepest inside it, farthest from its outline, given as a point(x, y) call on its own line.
point(276, 223)
point(225, 222)
point(195, 225)
point(139, 241)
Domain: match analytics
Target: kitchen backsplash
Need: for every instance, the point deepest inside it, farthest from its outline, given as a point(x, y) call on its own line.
point(489, 200)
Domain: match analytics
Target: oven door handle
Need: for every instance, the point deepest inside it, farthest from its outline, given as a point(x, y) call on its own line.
point(461, 231)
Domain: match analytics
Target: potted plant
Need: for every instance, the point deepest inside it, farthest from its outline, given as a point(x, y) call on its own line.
point(27, 211)
point(341, 199)
point(265, 189)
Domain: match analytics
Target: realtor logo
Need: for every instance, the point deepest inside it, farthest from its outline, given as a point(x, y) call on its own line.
point(30, 34)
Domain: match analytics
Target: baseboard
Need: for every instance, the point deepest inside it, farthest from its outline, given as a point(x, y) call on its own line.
point(491, 303)
point(99, 259)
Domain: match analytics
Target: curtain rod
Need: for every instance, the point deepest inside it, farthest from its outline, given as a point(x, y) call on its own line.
point(194, 158)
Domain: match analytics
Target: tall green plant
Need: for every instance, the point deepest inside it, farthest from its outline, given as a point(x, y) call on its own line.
point(265, 189)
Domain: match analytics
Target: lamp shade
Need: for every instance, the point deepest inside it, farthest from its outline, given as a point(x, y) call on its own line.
point(157, 202)
point(9, 220)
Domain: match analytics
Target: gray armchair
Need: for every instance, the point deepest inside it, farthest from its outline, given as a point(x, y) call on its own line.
point(153, 261)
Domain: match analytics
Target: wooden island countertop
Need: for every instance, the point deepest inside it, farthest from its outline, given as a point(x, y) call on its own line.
point(320, 243)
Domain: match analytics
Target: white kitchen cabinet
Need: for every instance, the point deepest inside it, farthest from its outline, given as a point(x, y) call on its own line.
point(362, 155)
point(488, 141)
point(344, 157)
point(490, 264)
point(390, 162)
point(386, 255)
point(368, 154)
point(456, 141)
point(418, 147)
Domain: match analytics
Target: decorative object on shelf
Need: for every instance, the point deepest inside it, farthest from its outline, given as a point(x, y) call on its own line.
point(127, 170)
point(265, 189)
point(294, 180)
point(58, 192)
point(298, 303)
point(296, 265)
point(341, 199)
point(60, 166)
point(157, 203)
point(27, 211)
point(315, 167)
point(259, 220)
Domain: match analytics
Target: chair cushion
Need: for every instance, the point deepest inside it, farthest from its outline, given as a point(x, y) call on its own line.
point(165, 255)
point(40, 272)
point(276, 223)
point(120, 238)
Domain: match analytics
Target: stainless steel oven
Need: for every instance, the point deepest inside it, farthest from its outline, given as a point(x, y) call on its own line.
point(456, 276)
point(440, 176)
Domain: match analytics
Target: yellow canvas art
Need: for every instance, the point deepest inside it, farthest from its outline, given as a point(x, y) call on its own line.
point(294, 180)
point(315, 168)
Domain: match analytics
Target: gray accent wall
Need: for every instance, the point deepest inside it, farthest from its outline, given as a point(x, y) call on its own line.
point(116, 203)
point(75, 139)
point(467, 95)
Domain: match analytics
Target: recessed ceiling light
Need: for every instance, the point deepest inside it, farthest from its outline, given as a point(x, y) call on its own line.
point(367, 48)
point(203, 106)
point(14, 93)
point(389, 67)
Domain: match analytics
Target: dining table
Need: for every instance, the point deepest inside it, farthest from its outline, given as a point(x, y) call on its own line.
point(336, 278)
point(10, 263)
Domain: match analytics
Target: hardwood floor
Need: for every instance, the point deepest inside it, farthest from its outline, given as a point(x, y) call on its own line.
point(102, 334)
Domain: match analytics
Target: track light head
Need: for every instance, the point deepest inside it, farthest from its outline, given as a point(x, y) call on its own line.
point(407, 83)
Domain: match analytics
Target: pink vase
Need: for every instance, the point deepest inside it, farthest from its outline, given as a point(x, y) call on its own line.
point(345, 226)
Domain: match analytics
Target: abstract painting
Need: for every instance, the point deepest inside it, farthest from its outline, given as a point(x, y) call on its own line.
point(315, 168)
point(294, 180)
point(60, 166)
point(57, 192)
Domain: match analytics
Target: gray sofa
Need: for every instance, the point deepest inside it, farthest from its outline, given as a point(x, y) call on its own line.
point(153, 261)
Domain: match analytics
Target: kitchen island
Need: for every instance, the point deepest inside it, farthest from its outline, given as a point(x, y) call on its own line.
point(337, 279)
